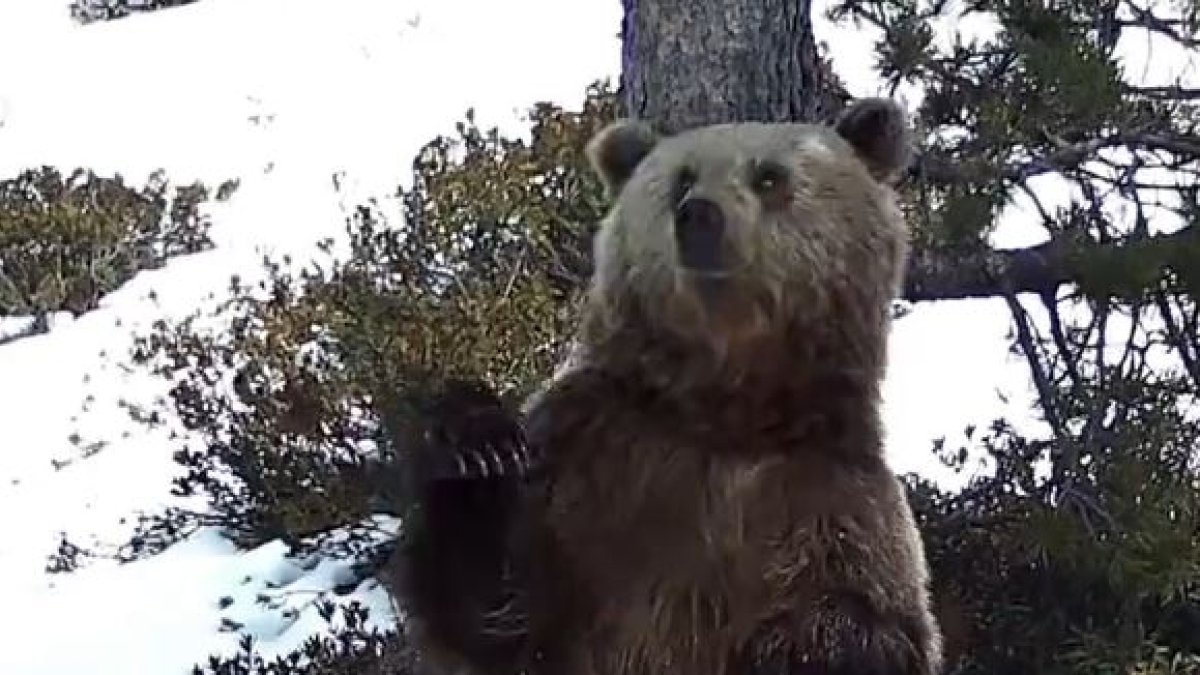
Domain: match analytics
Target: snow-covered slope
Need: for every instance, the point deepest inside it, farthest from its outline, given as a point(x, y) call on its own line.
point(283, 93)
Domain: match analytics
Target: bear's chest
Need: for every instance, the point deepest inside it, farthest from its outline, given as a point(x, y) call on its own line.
point(661, 520)
point(658, 494)
point(676, 550)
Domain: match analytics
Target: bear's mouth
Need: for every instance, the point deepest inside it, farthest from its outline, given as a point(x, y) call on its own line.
point(714, 287)
point(707, 274)
point(728, 309)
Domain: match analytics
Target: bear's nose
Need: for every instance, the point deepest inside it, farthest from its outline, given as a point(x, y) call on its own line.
point(699, 233)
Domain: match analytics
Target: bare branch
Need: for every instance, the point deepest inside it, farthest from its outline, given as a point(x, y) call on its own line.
point(1171, 93)
point(1171, 28)
point(1066, 156)
point(1041, 379)
point(1059, 334)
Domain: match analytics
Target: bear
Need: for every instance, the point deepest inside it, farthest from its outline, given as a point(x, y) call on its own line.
point(702, 489)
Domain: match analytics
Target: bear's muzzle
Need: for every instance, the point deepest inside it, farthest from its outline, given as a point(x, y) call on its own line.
point(700, 236)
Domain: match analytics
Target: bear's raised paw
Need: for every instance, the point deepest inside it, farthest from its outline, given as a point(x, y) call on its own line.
point(471, 434)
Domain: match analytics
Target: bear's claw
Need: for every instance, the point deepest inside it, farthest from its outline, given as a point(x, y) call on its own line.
point(472, 435)
point(487, 462)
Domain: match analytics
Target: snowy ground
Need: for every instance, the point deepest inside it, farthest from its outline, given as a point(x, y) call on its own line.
point(282, 94)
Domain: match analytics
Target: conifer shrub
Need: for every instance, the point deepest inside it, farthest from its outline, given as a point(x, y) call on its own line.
point(89, 11)
point(1097, 572)
point(349, 647)
point(66, 241)
point(295, 412)
point(474, 273)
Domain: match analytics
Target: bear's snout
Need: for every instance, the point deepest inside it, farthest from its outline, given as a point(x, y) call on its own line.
point(700, 234)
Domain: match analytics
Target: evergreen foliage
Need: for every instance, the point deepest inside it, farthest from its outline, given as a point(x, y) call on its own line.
point(478, 282)
point(66, 241)
point(349, 648)
point(88, 11)
point(1081, 553)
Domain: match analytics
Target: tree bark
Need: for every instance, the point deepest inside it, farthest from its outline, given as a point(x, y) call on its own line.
point(689, 63)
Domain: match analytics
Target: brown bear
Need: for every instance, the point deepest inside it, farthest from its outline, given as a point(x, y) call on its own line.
point(708, 493)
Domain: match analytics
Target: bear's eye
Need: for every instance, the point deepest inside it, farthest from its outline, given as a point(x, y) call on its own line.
point(768, 178)
point(685, 178)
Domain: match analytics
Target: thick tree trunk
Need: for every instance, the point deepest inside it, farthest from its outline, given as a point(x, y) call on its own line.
point(687, 63)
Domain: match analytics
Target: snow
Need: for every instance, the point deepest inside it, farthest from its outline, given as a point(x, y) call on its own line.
point(161, 614)
point(283, 94)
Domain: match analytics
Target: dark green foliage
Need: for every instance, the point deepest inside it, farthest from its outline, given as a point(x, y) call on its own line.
point(1085, 572)
point(66, 558)
point(87, 11)
point(1081, 554)
point(348, 649)
point(67, 241)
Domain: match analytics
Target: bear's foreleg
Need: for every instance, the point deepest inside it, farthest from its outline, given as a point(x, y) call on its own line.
point(465, 602)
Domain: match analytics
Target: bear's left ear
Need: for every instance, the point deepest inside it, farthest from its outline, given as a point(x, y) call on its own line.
point(617, 150)
point(878, 130)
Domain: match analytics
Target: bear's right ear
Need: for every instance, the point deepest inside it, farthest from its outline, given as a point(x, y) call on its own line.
point(617, 150)
point(878, 130)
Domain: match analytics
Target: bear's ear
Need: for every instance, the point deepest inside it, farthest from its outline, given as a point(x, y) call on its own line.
point(878, 130)
point(617, 150)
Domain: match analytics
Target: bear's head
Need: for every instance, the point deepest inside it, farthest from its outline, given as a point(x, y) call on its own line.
point(751, 235)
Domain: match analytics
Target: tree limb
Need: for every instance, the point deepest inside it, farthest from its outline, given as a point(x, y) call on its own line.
point(948, 170)
point(1038, 269)
point(1167, 93)
point(1173, 28)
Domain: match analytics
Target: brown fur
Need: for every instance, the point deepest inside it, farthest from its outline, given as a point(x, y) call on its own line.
point(714, 497)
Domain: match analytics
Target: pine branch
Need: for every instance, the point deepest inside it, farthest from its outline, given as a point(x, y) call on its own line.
point(1065, 156)
point(1038, 269)
point(1167, 93)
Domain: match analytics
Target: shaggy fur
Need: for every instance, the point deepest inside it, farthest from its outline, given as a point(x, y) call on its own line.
point(712, 496)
